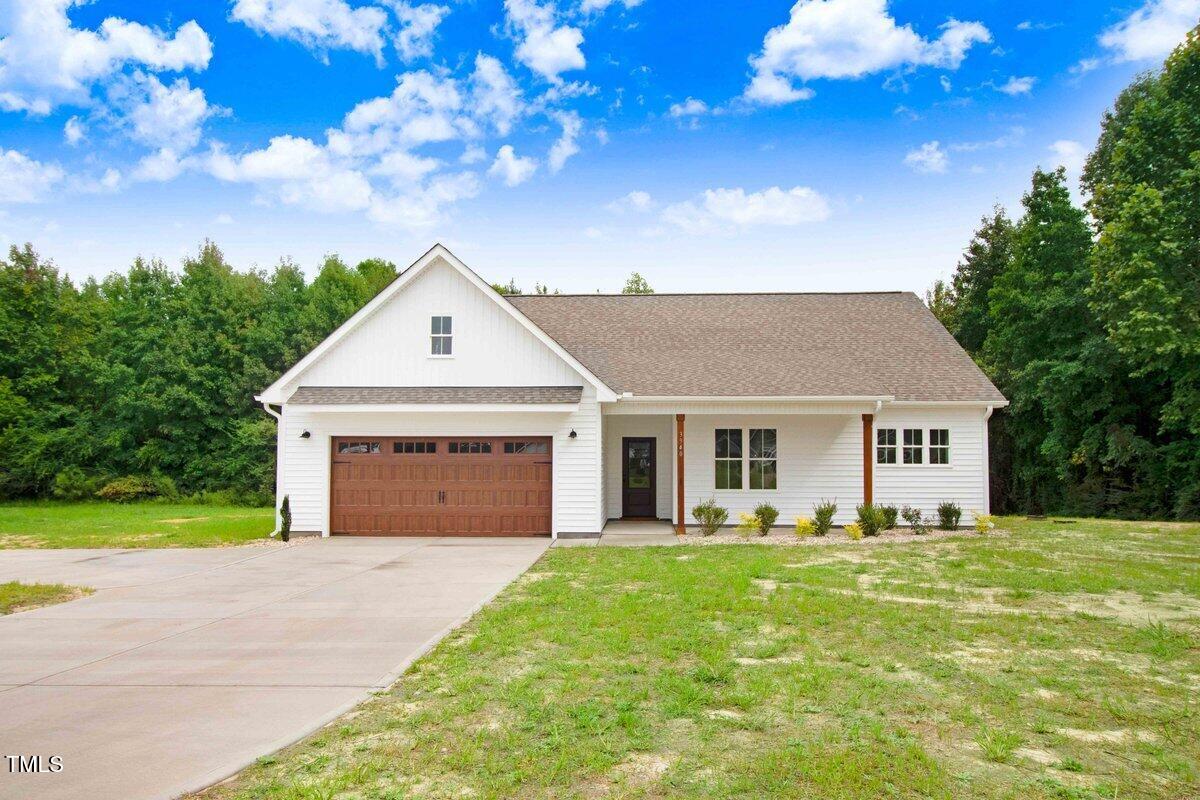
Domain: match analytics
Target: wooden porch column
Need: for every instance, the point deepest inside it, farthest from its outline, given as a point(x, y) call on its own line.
point(680, 524)
point(868, 463)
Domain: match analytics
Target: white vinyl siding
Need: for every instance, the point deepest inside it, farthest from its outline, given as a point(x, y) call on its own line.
point(392, 347)
point(576, 482)
point(819, 457)
point(924, 485)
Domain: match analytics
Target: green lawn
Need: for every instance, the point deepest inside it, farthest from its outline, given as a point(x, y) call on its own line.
point(43, 524)
point(24, 596)
point(1054, 661)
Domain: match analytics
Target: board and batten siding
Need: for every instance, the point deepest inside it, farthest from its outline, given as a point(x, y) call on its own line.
point(820, 457)
point(391, 347)
point(659, 427)
point(576, 483)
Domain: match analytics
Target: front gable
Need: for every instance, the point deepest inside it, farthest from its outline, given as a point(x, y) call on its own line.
point(388, 342)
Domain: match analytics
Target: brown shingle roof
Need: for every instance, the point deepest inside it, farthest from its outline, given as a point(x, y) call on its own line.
point(366, 395)
point(693, 345)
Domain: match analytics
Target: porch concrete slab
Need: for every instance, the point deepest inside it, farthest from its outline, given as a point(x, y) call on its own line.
point(186, 665)
point(638, 533)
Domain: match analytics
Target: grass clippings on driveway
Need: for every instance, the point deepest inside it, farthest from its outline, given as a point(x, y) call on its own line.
point(16, 596)
point(1060, 661)
point(49, 524)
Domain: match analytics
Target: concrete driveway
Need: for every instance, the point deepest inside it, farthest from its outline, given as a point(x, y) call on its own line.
point(186, 665)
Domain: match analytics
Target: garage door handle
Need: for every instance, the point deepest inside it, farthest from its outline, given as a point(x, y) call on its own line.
point(441, 497)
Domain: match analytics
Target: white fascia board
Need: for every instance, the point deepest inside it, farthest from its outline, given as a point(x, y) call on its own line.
point(645, 398)
point(949, 403)
point(274, 392)
point(443, 408)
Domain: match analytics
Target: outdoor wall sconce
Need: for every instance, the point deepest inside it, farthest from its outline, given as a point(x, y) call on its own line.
point(573, 434)
point(306, 435)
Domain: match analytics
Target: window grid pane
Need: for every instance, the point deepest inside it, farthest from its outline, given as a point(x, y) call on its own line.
point(763, 467)
point(885, 446)
point(728, 455)
point(913, 450)
point(939, 446)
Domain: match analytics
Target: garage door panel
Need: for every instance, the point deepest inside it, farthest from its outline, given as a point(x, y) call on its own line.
point(477, 486)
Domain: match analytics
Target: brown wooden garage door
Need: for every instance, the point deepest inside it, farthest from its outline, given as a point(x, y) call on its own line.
point(462, 486)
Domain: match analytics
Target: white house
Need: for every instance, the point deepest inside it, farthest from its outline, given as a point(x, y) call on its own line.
point(442, 407)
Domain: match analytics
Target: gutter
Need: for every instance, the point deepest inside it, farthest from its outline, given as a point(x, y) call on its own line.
point(278, 457)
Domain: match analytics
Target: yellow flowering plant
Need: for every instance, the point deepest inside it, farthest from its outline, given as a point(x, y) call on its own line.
point(983, 522)
point(750, 524)
point(854, 531)
point(805, 527)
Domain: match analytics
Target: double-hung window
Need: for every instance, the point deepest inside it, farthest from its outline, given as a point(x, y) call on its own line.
point(913, 449)
point(885, 446)
point(729, 458)
point(939, 446)
point(440, 337)
point(763, 459)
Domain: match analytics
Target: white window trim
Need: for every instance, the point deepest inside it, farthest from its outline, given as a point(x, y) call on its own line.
point(741, 459)
point(449, 336)
point(925, 463)
point(749, 458)
point(745, 459)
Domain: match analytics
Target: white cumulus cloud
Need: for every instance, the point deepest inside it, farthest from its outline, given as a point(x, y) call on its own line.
point(161, 116)
point(418, 24)
point(723, 210)
point(1017, 85)
point(319, 25)
point(1070, 154)
point(24, 179)
point(543, 45)
point(849, 39)
point(74, 131)
point(1152, 31)
point(929, 158)
point(636, 200)
point(566, 145)
point(45, 61)
point(511, 168)
point(690, 107)
point(495, 94)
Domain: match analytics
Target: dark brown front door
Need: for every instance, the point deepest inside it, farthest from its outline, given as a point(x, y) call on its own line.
point(637, 477)
point(440, 486)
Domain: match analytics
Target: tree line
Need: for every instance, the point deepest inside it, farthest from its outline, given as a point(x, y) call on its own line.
point(1088, 319)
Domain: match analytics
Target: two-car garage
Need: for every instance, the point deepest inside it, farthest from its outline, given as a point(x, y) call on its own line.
point(442, 486)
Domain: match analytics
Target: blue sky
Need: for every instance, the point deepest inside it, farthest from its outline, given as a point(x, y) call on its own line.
point(712, 146)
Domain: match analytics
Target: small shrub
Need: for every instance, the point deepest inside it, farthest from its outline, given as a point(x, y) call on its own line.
point(854, 531)
point(138, 487)
point(710, 516)
point(823, 517)
point(804, 527)
point(983, 522)
point(73, 483)
point(285, 519)
point(889, 516)
point(767, 514)
point(915, 520)
point(748, 524)
point(870, 519)
point(948, 516)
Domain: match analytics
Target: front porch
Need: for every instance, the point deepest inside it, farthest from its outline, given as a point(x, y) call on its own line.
point(660, 459)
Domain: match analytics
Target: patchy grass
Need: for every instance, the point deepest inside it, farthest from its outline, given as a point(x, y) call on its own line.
point(1051, 661)
point(46, 524)
point(16, 597)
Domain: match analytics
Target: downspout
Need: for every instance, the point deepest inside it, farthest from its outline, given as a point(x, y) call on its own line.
point(278, 460)
point(987, 462)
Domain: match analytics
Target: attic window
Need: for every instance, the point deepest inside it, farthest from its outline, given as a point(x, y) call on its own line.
point(440, 339)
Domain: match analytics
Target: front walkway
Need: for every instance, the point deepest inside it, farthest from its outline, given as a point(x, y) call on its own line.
point(186, 665)
point(629, 533)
